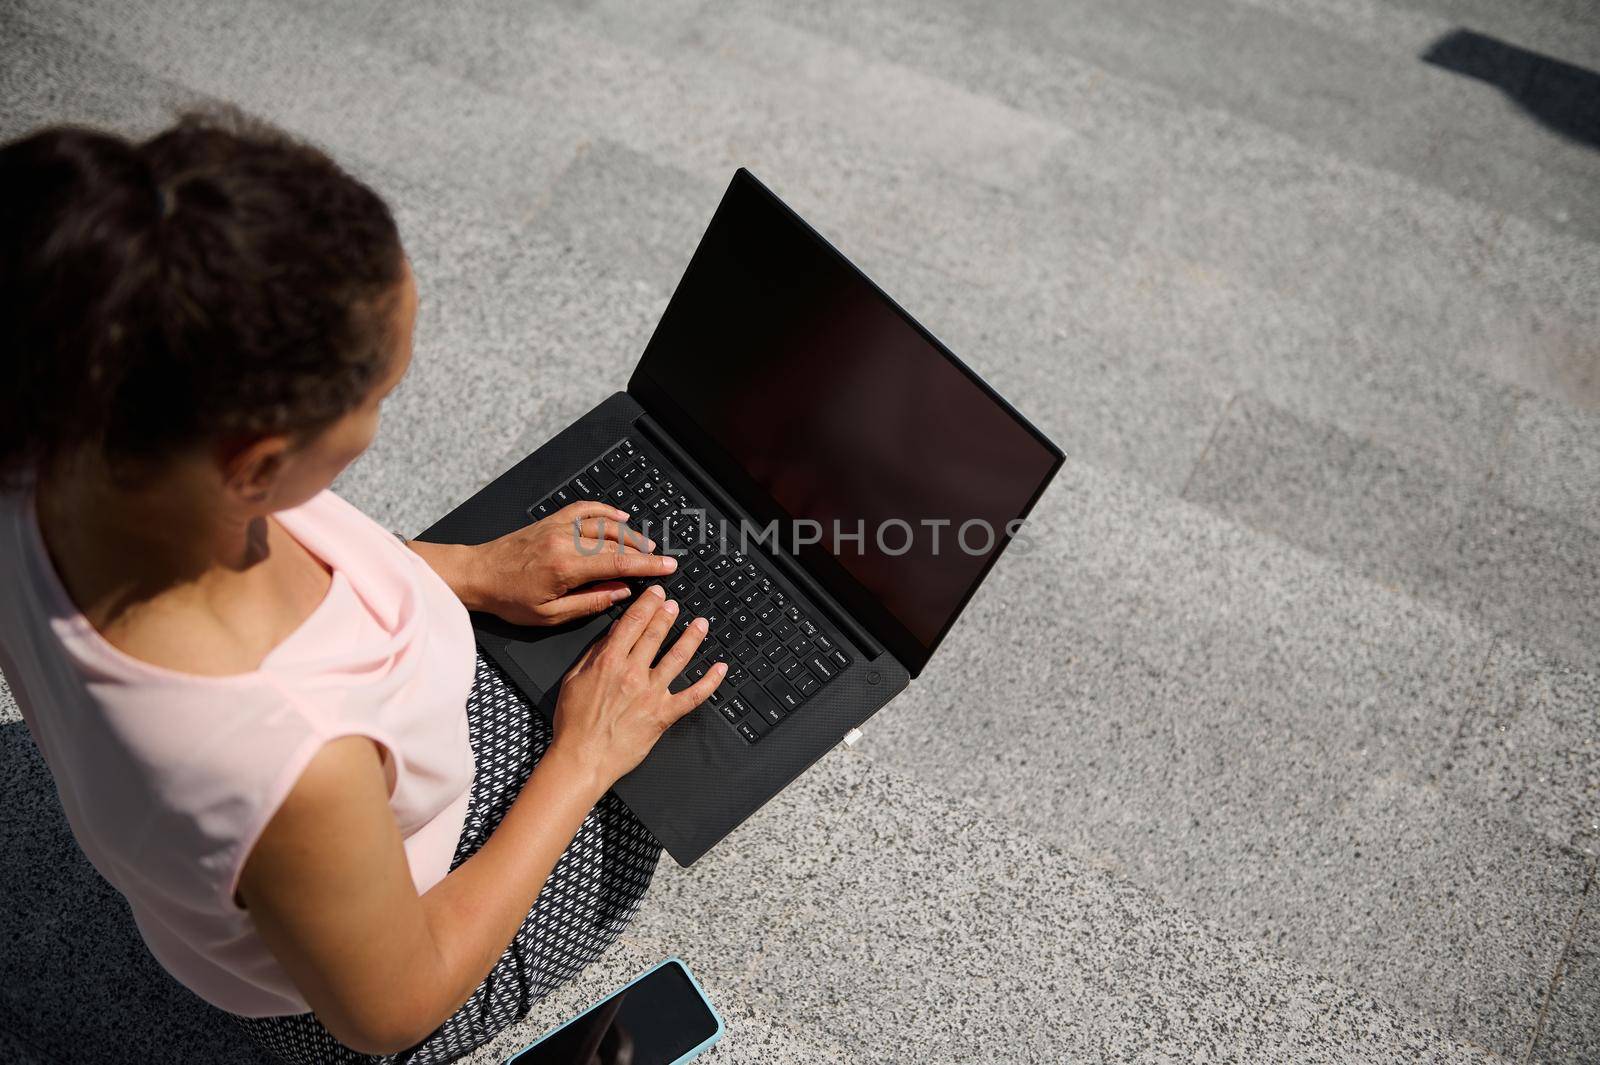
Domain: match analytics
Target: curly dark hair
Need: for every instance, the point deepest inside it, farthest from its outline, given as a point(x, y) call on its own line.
point(219, 278)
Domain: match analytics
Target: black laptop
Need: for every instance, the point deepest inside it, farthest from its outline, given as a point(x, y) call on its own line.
point(834, 482)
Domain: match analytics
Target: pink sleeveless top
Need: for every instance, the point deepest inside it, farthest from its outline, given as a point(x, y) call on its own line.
point(168, 778)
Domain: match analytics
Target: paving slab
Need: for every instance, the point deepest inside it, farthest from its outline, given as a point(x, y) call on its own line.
point(1571, 1033)
point(1339, 496)
point(1536, 577)
point(1552, 460)
point(1339, 369)
point(48, 79)
point(1520, 571)
point(330, 87)
point(1531, 745)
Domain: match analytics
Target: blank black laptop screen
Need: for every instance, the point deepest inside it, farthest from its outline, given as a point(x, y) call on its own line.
point(796, 381)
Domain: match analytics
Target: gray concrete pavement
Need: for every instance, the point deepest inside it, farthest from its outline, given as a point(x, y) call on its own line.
point(1285, 745)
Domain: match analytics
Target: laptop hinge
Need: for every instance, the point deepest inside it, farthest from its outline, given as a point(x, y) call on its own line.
point(792, 569)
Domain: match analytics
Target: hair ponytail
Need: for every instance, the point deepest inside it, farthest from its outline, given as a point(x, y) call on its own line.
point(218, 278)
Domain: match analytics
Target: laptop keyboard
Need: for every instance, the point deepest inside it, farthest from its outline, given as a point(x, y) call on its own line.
point(779, 657)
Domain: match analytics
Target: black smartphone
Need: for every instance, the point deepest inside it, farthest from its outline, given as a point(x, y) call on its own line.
point(661, 1018)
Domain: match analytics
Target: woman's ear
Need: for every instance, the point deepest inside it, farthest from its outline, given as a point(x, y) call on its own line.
point(252, 469)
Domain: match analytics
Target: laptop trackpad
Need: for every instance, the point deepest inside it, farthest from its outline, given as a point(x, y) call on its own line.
point(546, 659)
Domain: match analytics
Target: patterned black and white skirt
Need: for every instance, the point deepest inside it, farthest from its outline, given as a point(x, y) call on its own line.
point(588, 900)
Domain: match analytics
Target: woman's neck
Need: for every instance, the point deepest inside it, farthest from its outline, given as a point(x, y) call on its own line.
point(118, 547)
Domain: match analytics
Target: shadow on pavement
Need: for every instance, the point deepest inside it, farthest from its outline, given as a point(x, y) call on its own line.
point(76, 982)
point(1562, 97)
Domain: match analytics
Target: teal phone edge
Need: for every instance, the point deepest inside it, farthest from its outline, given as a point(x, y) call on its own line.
point(671, 959)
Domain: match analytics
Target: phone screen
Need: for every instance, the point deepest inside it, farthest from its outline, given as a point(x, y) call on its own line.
point(654, 1021)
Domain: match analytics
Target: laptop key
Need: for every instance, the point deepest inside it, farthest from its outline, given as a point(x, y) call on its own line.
point(840, 659)
point(784, 694)
point(805, 684)
point(760, 667)
point(582, 486)
point(821, 640)
point(765, 706)
point(789, 668)
point(748, 730)
point(600, 474)
point(541, 509)
point(734, 708)
point(824, 670)
point(744, 652)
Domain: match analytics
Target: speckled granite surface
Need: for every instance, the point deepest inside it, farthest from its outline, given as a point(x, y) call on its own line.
point(1284, 746)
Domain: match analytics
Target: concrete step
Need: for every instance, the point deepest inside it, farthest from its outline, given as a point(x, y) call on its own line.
point(1336, 93)
point(1567, 30)
point(1528, 575)
point(1393, 373)
point(1449, 448)
point(517, 302)
point(911, 928)
point(993, 238)
point(967, 941)
point(1190, 642)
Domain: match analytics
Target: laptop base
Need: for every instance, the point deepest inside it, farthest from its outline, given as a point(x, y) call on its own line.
point(703, 778)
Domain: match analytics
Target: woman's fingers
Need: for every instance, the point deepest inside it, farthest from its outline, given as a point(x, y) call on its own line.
point(696, 693)
point(601, 531)
point(625, 633)
point(600, 560)
point(682, 650)
point(655, 631)
point(589, 508)
point(587, 602)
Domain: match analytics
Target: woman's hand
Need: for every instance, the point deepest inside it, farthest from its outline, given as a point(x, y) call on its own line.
point(532, 576)
point(614, 705)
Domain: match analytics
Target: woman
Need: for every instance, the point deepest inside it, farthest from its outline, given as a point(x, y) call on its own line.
point(263, 713)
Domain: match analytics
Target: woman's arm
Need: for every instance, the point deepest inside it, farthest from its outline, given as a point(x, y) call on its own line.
point(329, 888)
point(530, 576)
point(330, 892)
